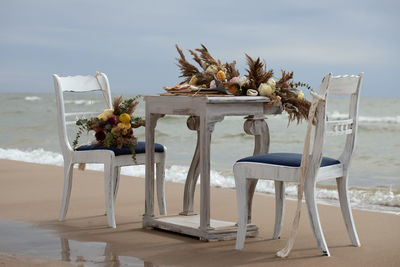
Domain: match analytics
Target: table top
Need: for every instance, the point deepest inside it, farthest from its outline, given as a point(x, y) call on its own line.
point(209, 99)
point(212, 106)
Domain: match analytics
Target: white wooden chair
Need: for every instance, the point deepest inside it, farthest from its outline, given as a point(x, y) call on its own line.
point(285, 167)
point(112, 161)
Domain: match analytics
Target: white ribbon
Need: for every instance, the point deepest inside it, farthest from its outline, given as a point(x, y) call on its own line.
point(303, 172)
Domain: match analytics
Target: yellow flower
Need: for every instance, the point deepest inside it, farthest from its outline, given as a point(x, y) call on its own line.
point(106, 114)
point(279, 98)
point(271, 82)
point(212, 69)
point(124, 118)
point(193, 80)
point(124, 125)
point(265, 89)
point(300, 95)
point(221, 75)
point(116, 131)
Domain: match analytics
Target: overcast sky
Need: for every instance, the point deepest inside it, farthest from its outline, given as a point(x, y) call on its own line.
point(133, 41)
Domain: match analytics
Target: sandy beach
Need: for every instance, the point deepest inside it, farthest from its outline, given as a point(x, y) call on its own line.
point(32, 193)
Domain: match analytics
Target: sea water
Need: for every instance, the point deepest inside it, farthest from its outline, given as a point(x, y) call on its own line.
point(28, 132)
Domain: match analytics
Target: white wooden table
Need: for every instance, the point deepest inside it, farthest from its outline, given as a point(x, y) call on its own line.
point(203, 113)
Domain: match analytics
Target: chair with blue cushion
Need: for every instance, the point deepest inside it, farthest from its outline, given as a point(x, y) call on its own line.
point(112, 158)
point(285, 167)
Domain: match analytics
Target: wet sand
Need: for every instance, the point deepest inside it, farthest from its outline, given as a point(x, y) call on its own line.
point(32, 193)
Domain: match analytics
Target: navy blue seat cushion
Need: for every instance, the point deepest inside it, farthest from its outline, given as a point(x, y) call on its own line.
point(140, 148)
point(285, 159)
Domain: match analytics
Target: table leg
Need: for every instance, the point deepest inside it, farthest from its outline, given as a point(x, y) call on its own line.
point(206, 128)
point(193, 123)
point(259, 128)
point(151, 122)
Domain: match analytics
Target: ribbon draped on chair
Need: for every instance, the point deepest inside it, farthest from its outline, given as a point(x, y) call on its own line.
point(316, 99)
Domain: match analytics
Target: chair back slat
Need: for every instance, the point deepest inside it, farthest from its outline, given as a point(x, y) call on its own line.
point(72, 117)
point(81, 114)
point(79, 84)
point(343, 85)
point(339, 127)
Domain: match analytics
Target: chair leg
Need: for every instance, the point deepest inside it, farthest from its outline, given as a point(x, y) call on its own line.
point(117, 172)
point(68, 173)
point(65, 250)
point(241, 197)
point(160, 180)
point(251, 189)
point(279, 208)
point(346, 210)
point(109, 193)
point(309, 193)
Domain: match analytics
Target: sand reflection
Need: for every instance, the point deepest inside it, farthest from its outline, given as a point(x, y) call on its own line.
point(23, 239)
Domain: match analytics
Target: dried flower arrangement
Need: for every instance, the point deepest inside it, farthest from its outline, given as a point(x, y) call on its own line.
point(217, 78)
point(114, 127)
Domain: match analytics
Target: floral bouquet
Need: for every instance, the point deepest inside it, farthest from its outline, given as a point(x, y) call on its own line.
point(217, 78)
point(114, 127)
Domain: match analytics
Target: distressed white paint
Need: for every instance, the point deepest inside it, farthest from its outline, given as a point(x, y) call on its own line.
point(112, 163)
point(245, 172)
point(204, 112)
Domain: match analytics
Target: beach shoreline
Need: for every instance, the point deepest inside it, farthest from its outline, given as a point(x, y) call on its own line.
point(31, 193)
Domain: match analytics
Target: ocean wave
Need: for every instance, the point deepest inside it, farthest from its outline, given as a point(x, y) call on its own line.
point(374, 198)
point(366, 119)
point(238, 135)
point(40, 156)
point(32, 98)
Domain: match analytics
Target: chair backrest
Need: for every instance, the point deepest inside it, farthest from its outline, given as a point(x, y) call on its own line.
point(77, 84)
point(343, 86)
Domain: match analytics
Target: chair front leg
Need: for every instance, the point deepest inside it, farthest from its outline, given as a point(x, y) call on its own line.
point(309, 193)
point(68, 174)
point(160, 181)
point(109, 193)
point(279, 208)
point(241, 197)
point(342, 186)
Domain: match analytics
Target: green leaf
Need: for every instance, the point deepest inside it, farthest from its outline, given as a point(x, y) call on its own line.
point(109, 139)
point(132, 149)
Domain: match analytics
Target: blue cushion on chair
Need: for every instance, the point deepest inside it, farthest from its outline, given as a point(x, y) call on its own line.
point(285, 159)
point(140, 148)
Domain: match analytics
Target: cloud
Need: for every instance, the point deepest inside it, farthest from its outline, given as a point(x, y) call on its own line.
point(123, 37)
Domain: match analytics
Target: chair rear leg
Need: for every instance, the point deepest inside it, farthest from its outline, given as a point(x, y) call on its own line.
point(279, 208)
point(117, 172)
point(346, 210)
point(251, 189)
point(309, 193)
point(160, 180)
point(109, 193)
point(241, 197)
point(68, 173)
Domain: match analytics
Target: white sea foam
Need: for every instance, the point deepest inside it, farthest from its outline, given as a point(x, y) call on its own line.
point(366, 119)
point(32, 98)
point(35, 156)
point(378, 199)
